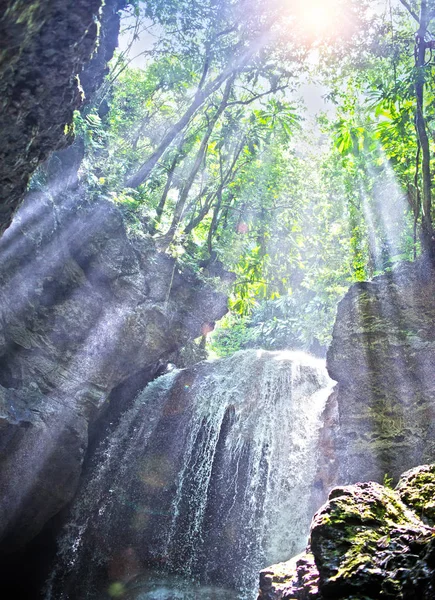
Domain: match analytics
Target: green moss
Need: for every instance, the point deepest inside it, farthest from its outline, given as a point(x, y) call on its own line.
point(25, 13)
point(367, 542)
point(416, 488)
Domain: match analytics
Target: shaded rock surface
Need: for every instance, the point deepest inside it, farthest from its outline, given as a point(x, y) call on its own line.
point(44, 46)
point(381, 419)
point(367, 542)
point(83, 309)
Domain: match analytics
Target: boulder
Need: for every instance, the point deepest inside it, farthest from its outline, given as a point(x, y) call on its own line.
point(367, 542)
point(294, 579)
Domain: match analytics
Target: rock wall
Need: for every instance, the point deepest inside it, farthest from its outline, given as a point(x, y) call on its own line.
point(367, 542)
point(44, 46)
point(381, 419)
point(83, 309)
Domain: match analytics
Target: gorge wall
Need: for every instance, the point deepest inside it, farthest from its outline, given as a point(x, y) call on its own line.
point(83, 309)
point(381, 418)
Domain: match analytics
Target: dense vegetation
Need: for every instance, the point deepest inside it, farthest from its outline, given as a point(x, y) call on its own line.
point(205, 144)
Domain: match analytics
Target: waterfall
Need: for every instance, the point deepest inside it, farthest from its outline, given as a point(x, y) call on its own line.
point(209, 476)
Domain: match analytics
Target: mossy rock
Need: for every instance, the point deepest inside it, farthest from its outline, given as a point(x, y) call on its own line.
point(416, 489)
point(360, 530)
point(369, 542)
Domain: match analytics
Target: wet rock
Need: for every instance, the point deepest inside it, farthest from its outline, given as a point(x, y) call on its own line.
point(295, 579)
point(42, 446)
point(416, 488)
point(180, 483)
point(368, 542)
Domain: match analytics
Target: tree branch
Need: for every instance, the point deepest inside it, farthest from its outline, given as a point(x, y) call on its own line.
point(166, 239)
point(245, 102)
point(199, 99)
point(409, 8)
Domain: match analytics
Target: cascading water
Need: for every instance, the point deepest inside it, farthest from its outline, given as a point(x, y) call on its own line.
point(208, 476)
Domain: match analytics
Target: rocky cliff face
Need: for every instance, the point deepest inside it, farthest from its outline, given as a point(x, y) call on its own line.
point(381, 419)
point(83, 309)
point(44, 48)
point(367, 542)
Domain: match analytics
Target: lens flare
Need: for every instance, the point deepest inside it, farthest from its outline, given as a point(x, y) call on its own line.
point(317, 18)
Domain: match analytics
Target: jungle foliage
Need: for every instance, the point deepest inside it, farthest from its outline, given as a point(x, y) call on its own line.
point(205, 144)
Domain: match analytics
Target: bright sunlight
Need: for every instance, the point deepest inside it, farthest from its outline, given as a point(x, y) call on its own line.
point(318, 18)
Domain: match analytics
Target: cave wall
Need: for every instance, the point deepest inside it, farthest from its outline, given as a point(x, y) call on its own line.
point(44, 47)
point(381, 418)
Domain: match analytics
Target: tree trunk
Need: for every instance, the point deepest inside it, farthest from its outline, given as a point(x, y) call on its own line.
point(200, 97)
point(195, 221)
point(142, 174)
point(178, 213)
point(160, 208)
point(420, 124)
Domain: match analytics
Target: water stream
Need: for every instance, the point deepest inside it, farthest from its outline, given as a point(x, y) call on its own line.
point(207, 477)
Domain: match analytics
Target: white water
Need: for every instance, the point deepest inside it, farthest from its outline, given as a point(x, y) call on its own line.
point(245, 450)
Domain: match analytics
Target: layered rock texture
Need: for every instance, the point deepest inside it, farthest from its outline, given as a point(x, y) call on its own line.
point(44, 48)
point(84, 310)
point(367, 542)
point(381, 418)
